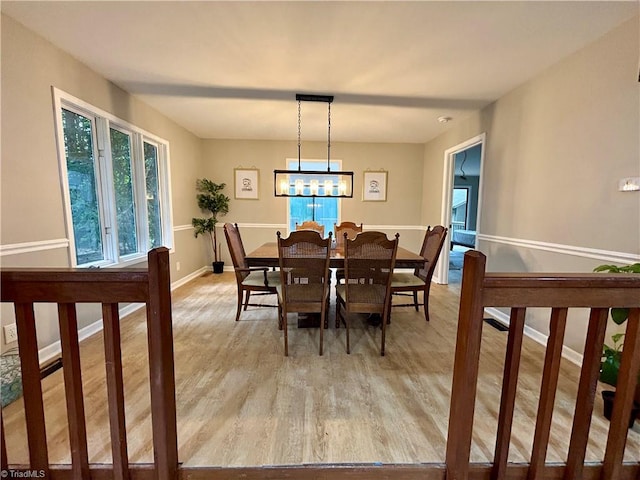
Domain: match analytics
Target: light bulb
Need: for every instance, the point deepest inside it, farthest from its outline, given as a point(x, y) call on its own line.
point(284, 187)
point(328, 187)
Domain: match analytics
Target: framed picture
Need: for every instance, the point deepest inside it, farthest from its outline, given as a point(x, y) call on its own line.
point(246, 183)
point(374, 187)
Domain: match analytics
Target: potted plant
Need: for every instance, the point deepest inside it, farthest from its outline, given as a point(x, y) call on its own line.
point(612, 354)
point(213, 201)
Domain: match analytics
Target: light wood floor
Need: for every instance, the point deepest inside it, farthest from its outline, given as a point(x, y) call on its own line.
point(241, 402)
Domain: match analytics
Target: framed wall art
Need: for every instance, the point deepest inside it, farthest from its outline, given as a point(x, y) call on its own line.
point(246, 183)
point(374, 186)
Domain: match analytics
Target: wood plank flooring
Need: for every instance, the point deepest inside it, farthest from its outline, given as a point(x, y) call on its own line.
point(242, 403)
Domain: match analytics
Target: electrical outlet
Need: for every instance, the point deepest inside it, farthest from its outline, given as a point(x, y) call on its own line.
point(10, 333)
point(177, 266)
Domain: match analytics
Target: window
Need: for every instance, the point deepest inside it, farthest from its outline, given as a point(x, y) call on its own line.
point(115, 185)
point(459, 208)
point(324, 210)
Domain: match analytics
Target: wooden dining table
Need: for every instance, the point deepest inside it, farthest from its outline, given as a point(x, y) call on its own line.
point(266, 255)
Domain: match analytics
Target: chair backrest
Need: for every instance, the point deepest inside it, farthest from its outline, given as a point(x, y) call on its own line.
point(236, 249)
point(311, 225)
point(350, 228)
point(559, 292)
point(369, 260)
point(304, 266)
point(430, 251)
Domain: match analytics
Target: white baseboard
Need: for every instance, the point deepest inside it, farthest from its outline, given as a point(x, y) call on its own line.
point(55, 349)
point(567, 353)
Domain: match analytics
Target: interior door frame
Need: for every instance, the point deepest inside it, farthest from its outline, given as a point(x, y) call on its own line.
point(442, 269)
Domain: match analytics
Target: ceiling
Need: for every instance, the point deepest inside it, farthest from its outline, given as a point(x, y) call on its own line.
point(232, 69)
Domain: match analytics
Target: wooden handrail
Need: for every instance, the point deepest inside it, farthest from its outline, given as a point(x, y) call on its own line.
point(598, 292)
point(67, 287)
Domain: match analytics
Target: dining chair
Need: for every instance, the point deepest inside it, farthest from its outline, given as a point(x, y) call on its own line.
point(351, 230)
point(304, 277)
point(369, 260)
point(311, 225)
point(259, 280)
point(409, 284)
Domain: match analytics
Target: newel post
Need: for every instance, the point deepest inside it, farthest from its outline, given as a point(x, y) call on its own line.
point(161, 366)
point(465, 369)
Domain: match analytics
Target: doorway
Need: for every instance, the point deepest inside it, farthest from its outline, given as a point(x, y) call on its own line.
point(461, 198)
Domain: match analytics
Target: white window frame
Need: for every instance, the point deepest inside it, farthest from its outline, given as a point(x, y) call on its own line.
point(102, 121)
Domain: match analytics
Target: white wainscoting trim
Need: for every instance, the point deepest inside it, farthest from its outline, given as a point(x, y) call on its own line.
point(567, 353)
point(178, 228)
point(605, 255)
point(366, 227)
point(51, 351)
point(394, 227)
point(28, 247)
point(281, 226)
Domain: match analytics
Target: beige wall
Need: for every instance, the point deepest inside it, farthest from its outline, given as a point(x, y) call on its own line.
point(262, 218)
point(31, 196)
point(555, 150)
point(556, 147)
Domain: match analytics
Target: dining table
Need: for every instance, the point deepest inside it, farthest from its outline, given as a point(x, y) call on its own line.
point(266, 255)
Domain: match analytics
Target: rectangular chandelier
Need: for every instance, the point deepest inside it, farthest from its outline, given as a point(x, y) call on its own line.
point(313, 183)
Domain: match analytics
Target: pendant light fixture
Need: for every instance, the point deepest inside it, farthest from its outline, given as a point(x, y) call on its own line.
point(313, 183)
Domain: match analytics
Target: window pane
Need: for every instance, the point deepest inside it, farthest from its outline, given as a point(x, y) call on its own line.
point(123, 187)
point(459, 209)
point(153, 194)
point(323, 210)
point(78, 146)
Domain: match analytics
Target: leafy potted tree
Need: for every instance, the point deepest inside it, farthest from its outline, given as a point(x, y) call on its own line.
point(612, 354)
point(213, 201)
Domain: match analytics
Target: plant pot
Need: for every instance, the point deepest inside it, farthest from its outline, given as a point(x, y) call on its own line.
point(218, 267)
point(608, 398)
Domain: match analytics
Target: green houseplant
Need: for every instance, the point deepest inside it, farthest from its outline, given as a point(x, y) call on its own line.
point(612, 354)
point(212, 201)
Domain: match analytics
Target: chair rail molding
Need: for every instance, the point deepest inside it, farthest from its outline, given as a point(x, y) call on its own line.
point(28, 247)
point(606, 255)
point(179, 228)
point(366, 227)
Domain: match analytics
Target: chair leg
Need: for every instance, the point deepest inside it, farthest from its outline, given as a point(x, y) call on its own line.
point(385, 312)
point(426, 304)
point(246, 300)
point(286, 337)
point(415, 300)
point(384, 330)
point(240, 292)
point(323, 320)
point(326, 316)
point(344, 315)
point(346, 323)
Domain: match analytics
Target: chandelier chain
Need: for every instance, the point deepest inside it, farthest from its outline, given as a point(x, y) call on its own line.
point(299, 130)
point(329, 137)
